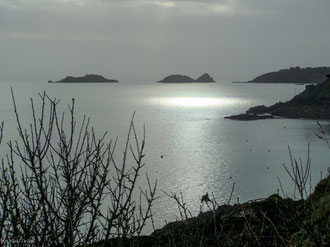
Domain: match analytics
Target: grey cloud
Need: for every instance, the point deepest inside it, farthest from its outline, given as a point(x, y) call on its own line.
point(52, 38)
point(181, 7)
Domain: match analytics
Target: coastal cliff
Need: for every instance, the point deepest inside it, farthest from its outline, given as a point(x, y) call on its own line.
point(294, 75)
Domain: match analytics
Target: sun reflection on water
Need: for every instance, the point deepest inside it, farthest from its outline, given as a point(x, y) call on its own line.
point(194, 101)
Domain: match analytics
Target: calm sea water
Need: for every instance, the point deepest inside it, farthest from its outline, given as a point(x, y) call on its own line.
point(202, 152)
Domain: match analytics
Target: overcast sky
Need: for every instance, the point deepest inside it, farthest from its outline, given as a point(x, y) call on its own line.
point(150, 39)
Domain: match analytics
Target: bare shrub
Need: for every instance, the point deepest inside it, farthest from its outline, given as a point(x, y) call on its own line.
point(61, 185)
point(300, 174)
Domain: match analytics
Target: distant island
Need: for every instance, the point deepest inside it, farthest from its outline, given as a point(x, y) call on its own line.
point(294, 75)
point(186, 79)
point(312, 103)
point(91, 78)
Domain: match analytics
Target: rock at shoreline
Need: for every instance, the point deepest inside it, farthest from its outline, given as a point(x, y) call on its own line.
point(313, 103)
point(261, 109)
point(294, 75)
point(91, 78)
point(186, 79)
point(248, 117)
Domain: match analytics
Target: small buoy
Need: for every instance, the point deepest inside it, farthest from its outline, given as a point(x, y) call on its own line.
point(268, 151)
point(161, 156)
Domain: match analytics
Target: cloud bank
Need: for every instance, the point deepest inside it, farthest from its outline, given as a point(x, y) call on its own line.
point(148, 39)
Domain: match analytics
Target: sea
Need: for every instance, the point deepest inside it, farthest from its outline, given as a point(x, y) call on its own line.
point(189, 147)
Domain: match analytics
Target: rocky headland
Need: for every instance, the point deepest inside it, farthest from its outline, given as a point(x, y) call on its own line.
point(186, 79)
point(294, 75)
point(90, 78)
point(312, 103)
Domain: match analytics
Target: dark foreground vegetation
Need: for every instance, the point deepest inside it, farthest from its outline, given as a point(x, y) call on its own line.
point(274, 221)
point(62, 186)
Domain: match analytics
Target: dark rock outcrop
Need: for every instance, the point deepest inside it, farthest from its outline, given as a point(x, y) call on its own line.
point(248, 117)
point(184, 79)
point(313, 103)
point(261, 109)
point(295, 75)
point(91, 78)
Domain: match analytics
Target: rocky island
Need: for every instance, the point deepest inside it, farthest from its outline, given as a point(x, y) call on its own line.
point(90, 78)
point(294, 75)
point(312, 103)
point(185, 79)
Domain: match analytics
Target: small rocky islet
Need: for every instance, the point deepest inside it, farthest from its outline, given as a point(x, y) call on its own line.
point(89, 78)
point(312, 103)
point(187, 79)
